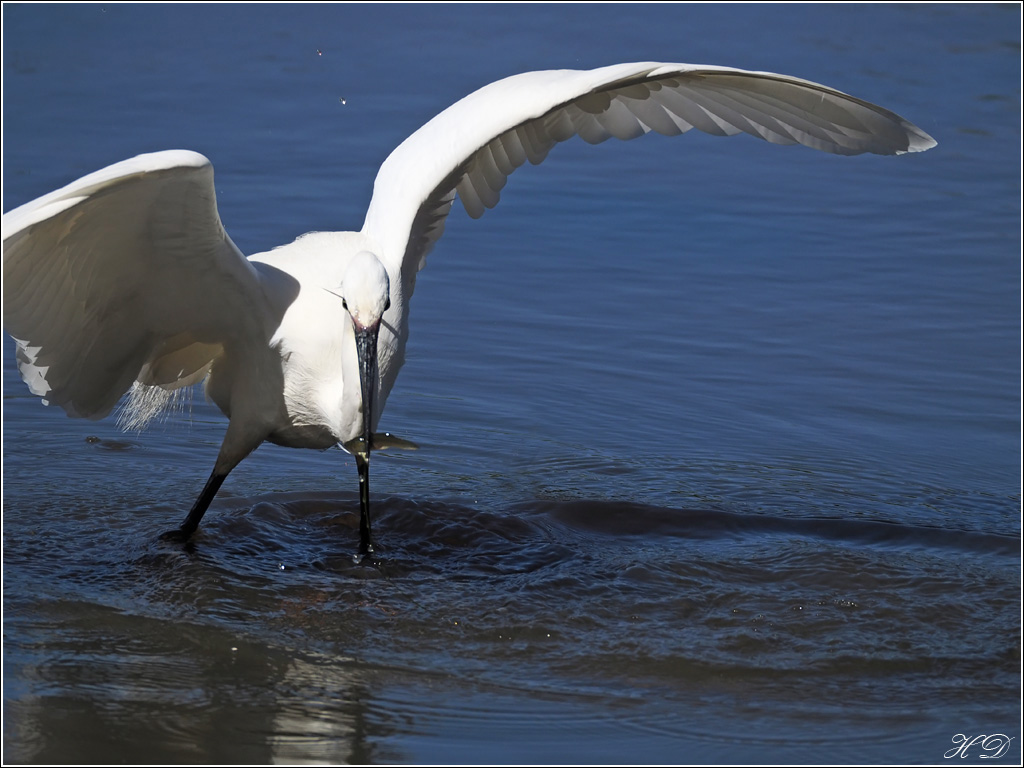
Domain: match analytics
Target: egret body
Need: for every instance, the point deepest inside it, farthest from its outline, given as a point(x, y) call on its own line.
point(125, 280)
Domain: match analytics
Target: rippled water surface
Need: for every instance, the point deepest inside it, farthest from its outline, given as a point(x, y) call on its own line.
point(720, 441)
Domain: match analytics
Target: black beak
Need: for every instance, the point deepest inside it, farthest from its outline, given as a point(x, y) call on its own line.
point(366, 348)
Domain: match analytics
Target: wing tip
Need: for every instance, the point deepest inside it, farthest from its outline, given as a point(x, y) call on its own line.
point(921, 141)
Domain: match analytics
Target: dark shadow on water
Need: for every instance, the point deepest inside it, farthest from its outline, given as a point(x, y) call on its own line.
point(629, 519)
point(428, 532)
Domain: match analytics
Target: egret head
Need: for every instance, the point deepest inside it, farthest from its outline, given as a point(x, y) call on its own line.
point(366, 291)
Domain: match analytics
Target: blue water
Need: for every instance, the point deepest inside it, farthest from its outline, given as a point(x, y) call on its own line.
point(720, 441)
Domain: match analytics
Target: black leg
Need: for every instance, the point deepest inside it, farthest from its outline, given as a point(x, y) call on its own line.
point(363, 465)
point(184, 533)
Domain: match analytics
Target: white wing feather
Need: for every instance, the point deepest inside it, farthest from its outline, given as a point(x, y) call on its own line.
point(124, 274)
point(473, 146)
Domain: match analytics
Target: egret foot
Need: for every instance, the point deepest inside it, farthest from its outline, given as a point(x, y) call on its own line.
point(179, 538)
point(176, 536)
point(364, 558)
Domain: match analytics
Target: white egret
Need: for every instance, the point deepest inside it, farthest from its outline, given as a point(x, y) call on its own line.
point(126, 280)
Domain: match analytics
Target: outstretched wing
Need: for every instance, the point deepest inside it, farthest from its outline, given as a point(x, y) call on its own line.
point(473, 146)
point(124, 274)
